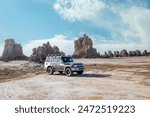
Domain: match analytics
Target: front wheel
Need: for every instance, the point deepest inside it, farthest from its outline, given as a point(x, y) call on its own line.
point(68, 72)
point(79, 72)
point(50, 70)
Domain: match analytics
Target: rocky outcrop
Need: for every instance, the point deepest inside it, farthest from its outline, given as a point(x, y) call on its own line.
point(110, 54)
point(135, 53)
point(132, 53)
point(123, 53)
point(146, 53)
point(56, 50)
point(12, 51)
point(84, 48)
point(40, 53)
point(116, 54)
point(138, 53)
point(105, 55)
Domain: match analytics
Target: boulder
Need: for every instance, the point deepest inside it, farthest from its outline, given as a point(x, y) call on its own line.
point(84, 48)
point(12, 51)
point(40, 53)
point(123, 53)
point(31, 65)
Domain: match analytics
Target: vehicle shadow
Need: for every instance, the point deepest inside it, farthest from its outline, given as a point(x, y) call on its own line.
point(88, 75)
point(92, 75)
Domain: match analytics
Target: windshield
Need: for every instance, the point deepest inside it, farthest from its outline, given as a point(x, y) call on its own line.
point(67, 59)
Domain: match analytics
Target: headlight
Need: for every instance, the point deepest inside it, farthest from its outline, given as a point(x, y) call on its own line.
point(75, 66)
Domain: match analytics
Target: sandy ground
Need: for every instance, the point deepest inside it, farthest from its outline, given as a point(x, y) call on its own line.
point(120, 78)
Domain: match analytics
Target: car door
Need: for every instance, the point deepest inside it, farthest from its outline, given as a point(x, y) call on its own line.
point(54, 63)
point(60, 65)
point(57, 63)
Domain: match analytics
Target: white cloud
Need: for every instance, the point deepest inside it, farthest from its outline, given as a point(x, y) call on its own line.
point(78, 10)
point(103, 45)
point(127, 21)
point(138, 21)
point(1, 48)
point(61, 41)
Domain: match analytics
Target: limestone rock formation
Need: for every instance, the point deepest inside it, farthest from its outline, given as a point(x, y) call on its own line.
point(62, 53)
point(84, 48)
point(110, 54)
point(12, 51)
point(116, 54)
point(123, 53)
point(56, 50)
point(132, 53)
point(135, 53)
point(138, 53)
point(145, 53)
point(105, 55)
point(40, 53)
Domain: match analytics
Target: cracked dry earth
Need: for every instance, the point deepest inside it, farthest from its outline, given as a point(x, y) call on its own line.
point(118, 78)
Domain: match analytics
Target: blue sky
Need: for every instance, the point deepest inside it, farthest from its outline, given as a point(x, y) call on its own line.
point(112, 24)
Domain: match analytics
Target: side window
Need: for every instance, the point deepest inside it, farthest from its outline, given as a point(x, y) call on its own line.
point(58, 60)
point(54, 60)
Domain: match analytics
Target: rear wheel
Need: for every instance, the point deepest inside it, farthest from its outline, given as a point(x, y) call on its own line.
point(50, 70)
point(68, 72)
point(79, 72)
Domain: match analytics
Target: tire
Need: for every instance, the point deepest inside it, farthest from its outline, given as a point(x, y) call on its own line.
point(68, 72)
point(50, 70)
point(79, 72)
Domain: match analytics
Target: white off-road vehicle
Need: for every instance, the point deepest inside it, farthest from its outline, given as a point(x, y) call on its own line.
point(62, 64)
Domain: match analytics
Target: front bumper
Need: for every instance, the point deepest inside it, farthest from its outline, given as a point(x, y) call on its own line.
point(77, 69)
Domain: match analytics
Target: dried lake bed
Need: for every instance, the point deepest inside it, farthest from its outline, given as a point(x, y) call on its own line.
point(117, 78)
